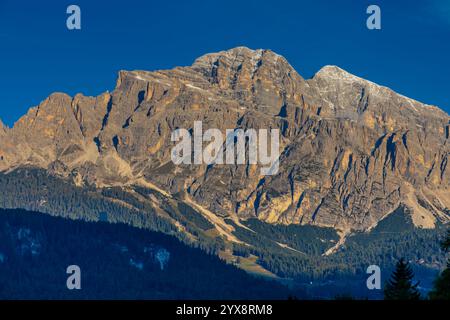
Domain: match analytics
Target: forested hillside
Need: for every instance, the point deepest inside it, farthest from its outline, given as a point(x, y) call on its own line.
point(294, 251)
point(117, 262)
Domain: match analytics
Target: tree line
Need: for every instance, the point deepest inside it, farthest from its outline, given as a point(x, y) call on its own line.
point(401, 285)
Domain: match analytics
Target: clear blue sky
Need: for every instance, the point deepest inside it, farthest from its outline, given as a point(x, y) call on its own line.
point(38, 55)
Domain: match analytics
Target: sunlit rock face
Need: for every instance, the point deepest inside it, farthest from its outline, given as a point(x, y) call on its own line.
point(351, 151)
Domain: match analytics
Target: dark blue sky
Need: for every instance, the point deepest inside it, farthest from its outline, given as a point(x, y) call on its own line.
point(38, 55)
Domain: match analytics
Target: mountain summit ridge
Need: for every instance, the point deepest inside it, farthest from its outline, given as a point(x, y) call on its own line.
point(352, 151)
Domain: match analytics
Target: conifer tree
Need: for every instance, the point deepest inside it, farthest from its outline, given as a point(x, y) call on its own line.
point(400, 286)
point(441, 288)
point(446, 243)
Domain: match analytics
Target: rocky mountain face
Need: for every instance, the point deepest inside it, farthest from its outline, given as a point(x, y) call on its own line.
point(351, 151)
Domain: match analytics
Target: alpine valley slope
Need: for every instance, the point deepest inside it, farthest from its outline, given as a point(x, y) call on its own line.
point(352, 151)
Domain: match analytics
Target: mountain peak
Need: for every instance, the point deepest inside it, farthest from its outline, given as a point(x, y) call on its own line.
point(337, 73)
point(237, 54)
point(233, 52)
point(340, 82)
point(349, 129)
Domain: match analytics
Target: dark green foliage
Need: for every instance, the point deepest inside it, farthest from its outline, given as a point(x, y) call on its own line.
point(393, 238)
point(310, 240)
point(117, 262)
point(34, 189)
point(400, 286)
point(193, 216)
point(441, 288)
point(117, 193)
point(446, 243)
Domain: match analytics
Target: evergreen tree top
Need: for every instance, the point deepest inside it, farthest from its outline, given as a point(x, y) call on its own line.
point(400, 286)
point(446, 243)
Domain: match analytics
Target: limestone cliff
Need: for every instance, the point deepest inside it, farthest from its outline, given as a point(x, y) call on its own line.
point(352, 151)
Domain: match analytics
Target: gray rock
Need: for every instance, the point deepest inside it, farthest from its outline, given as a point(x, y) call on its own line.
point(353, 151)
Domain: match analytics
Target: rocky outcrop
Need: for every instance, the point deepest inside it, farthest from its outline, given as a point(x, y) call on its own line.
point(352, 151)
